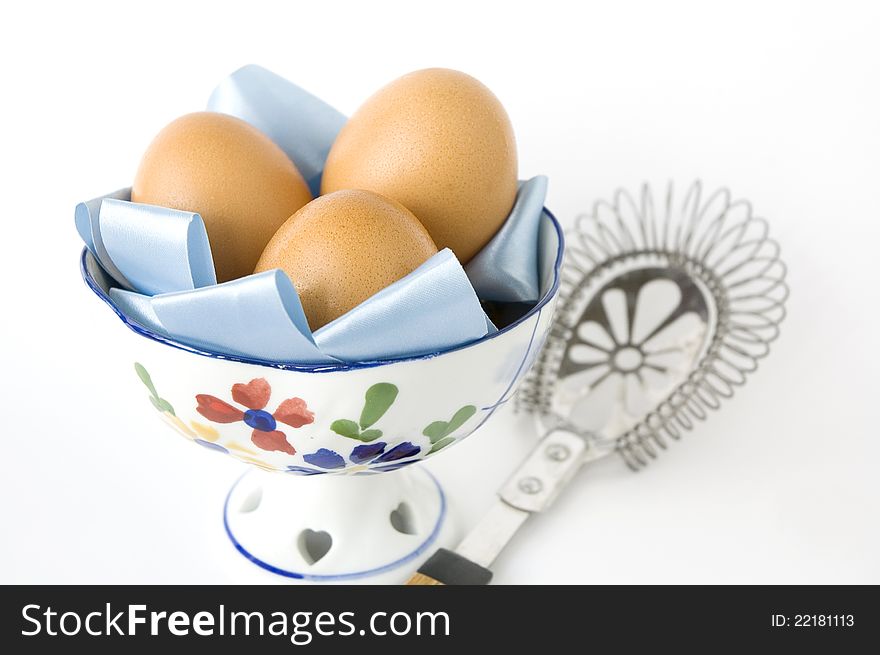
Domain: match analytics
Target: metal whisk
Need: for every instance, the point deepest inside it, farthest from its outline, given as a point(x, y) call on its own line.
point(730, 300)
point(664, 310)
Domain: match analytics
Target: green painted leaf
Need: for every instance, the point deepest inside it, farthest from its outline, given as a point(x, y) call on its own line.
point(435, 431)
point(145, 378)
point(370, 435)
point(346, 428)
point(441, 444)
point(162, 405)
point(460, 418)
point(377, 400)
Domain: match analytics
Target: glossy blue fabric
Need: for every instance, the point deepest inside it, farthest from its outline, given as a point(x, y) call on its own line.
point(506, 269)
point(139, 308)
point(159, 250)
point(87, 220)
point(82, 216)
point(441, 311)
point(258, 316)
point(161, 261)
point(303, 125)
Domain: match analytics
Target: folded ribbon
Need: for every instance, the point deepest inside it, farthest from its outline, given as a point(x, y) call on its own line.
point(301, 124)
point(86, 216)
point(506, 269)
point(257, 316)
point(159, 249)
point(260, 316)
point(441, 311)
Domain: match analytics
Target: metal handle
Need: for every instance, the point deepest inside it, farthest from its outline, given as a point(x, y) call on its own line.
point(535, 484)
point(532, 488)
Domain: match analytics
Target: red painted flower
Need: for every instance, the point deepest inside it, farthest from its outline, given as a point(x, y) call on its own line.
point(255, 396)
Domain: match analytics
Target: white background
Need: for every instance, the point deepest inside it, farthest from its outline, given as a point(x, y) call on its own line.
point(778, 101)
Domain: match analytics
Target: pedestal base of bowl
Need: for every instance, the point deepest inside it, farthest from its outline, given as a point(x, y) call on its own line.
point(373, 529)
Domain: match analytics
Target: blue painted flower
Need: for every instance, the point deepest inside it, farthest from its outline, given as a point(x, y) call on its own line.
point(368, 456)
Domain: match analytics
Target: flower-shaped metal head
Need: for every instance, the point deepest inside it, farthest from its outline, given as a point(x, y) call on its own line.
point(664, 309)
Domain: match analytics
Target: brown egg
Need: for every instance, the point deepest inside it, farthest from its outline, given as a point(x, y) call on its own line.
point(239, 181)
point(342, 248)
point(441, 144)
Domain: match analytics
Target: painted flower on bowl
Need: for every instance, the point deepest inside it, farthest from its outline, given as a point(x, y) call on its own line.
point(369, 456)
point(254, 396)
point(372, 455)
point(374, 450)
point(202, 434)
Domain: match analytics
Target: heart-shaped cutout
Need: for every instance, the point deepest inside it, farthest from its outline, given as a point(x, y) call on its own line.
point(402, 519)
point(252, 501)
point(314, 545)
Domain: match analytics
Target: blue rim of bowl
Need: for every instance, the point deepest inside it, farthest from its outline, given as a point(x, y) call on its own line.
point(328, 368)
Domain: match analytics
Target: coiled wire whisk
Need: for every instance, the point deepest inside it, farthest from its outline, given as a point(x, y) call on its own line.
point(729, 274)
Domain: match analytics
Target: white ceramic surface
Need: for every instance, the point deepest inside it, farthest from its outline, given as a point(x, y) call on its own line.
point(337, 529)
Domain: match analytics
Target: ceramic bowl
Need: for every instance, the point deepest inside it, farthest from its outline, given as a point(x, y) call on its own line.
point(349, 418)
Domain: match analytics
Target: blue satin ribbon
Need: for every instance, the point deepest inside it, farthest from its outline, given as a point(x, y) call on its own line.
point(82, 216)
point(86, 216)
point(160, 250)
point(301, 124)
point(506, 269)
point(258, 316)
point(139, 308)
point(161, 261)
point(431, 309)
